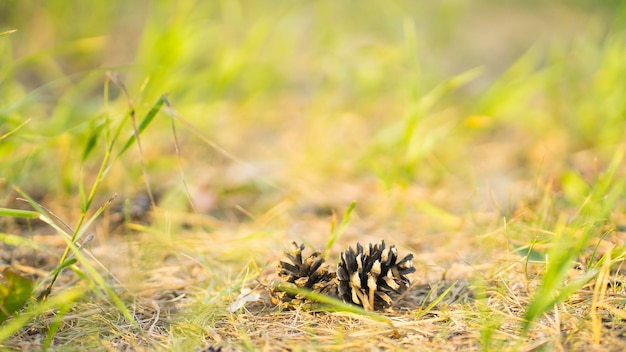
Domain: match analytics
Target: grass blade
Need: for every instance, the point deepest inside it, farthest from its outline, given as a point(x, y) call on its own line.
point(19, 213)
point(336, 232)
point(91, 143)
point(16, 128)
point(545, 300)
point(144, 123)
point(8, 32)
point(333, 304)
point(421, 312)
point(15, 240)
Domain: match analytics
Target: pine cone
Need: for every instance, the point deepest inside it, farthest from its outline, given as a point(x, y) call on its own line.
point(310, 273)
point(372, 276)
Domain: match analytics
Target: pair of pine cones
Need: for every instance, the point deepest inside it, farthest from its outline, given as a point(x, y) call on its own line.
point(370, 277)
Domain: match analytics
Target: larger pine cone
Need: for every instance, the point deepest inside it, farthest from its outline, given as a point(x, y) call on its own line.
point(370, 277)
point(310, 273)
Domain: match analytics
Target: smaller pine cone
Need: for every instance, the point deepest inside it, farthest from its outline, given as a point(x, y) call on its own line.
point(309, 273)
point(371, 277)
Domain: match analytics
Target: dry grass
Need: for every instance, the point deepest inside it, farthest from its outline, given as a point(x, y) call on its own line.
point(506, 182)
point(178, 292)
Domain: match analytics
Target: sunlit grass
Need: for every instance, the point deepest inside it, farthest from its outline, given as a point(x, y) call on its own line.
point(496, 160)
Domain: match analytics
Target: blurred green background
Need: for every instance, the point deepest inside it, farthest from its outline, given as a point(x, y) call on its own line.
point(303, 95)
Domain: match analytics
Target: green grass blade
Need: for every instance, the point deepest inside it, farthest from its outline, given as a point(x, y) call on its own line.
point(336, 232)
point(529, 253)
point(331, 303)
point(15, 129)
point(546, 298)
point(19, 213)
point(595, 250)
point(91, 143)
point(86, 225)
point(15, 240)
point(144, 123)
point(421, 312)
point(42, 213)
point(64, 265)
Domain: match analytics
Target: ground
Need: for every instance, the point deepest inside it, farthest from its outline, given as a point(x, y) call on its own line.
point(163, 157)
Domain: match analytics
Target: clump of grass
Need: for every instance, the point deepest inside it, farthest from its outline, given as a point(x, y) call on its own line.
point(571, 238)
